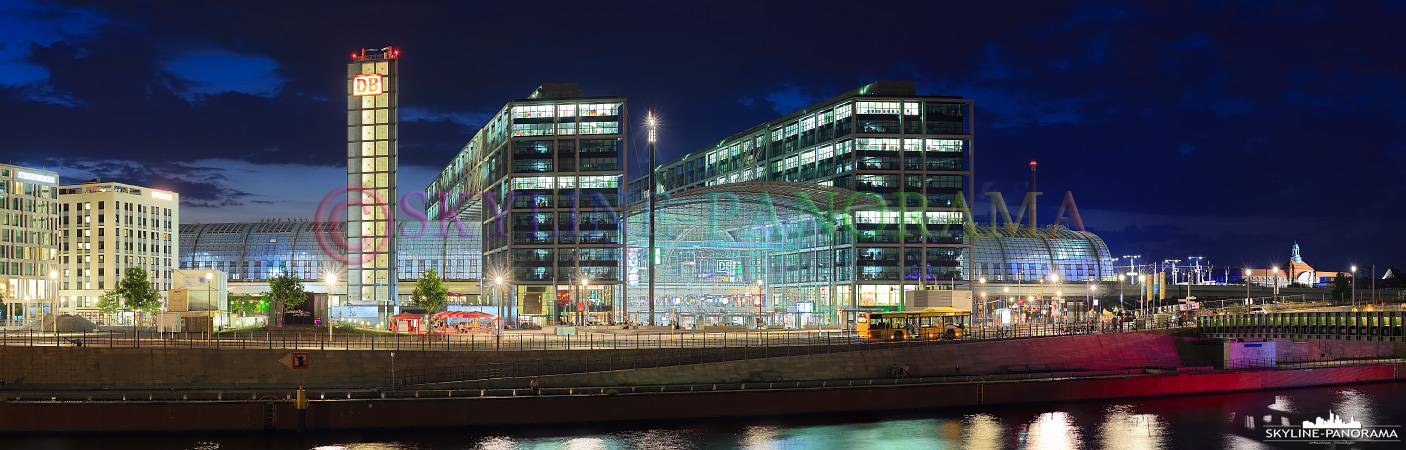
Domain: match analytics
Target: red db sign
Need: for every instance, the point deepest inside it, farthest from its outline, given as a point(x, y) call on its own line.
point(369, 84)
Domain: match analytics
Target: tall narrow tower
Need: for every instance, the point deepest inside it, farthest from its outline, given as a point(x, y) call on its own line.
point(372, 98)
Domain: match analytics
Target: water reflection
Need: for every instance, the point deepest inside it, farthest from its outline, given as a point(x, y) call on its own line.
point(983, 431)
point(1124, 429)
point(1236, 421)
point(1053, 430)
point(1354, 405)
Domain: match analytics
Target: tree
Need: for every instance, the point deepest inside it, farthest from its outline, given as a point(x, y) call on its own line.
point(285, 290)
point(136, 292)
point(245, 303)
point(1342, 286)
point(430, 293)
point(109, 303)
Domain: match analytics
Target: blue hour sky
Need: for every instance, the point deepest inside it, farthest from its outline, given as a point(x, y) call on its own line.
point(1228, 130)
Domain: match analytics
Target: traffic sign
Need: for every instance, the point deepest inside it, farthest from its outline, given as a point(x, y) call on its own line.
point(296, 360)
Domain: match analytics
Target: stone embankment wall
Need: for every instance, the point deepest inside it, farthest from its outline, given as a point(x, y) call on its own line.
point(70, 368)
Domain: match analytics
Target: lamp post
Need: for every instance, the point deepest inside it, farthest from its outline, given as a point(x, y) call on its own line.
point(761, 301)
point(54, 298)
point(1121, 305)
point(1007, 291)
point(1247, 290)
point(1354, 287)
point(1274, 278)
point(209, 289)
point(498, 307)
point(1093, 297)
point(581, 307)
point(1142, 295)
point(331, 279)
point(1054, 281)
point(982, 307)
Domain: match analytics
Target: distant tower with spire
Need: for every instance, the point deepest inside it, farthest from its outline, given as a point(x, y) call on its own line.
point(1295, 256)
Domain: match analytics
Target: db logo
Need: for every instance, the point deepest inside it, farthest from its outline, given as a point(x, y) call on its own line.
point(369, 84)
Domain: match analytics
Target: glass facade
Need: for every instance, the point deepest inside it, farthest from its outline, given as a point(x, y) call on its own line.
point(543, 183)
point(911, 153)
point(258, 251)
point(1025, 255)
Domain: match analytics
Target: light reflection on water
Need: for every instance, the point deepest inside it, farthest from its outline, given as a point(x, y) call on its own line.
point(1235, 421)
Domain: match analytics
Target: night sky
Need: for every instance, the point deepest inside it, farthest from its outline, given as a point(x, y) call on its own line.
point(1219, 129)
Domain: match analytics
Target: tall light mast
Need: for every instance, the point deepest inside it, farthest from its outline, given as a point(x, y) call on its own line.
point(650, 196)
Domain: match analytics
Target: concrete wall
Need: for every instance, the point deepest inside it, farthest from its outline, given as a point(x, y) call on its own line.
point(1094, 352)
point(92, 367)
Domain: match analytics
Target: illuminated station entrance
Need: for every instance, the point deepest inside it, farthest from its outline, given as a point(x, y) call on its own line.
point(736, 254)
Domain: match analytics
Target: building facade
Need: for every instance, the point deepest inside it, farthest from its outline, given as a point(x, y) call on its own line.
point(912, 153)
point(543, 184)
point(108, 227)
point(29, 241)
point(251, 253)
point(372, 157)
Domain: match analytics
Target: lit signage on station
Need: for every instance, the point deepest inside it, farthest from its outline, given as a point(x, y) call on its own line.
point(36, 177)
point(160, 195)
point(369, 84)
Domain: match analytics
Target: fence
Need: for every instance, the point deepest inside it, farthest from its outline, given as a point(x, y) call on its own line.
point(120, 337)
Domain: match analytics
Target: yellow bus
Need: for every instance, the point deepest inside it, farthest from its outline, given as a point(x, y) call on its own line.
point(934, 323)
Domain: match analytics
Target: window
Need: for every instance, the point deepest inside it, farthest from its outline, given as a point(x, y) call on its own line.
point(877, 144)
point(945, 145)
point(864, 108)
point(532, 111)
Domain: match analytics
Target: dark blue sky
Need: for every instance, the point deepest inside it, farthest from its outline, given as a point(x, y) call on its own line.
point(1219, 129)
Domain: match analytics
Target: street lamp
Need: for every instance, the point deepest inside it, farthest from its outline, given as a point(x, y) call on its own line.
point(1247, 289)
point(581, 308)
point(1142, 295)
point(1121, 305)
point(498, 304)
point(1274, 278)
point(209, 289)
point(331, 279)
point(984, 314)
point(761, 301)
point(1354, 287)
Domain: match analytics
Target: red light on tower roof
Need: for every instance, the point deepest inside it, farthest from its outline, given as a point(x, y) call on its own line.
point(1032, 163)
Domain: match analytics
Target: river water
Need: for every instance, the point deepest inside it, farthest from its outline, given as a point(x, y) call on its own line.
point(1252, 420)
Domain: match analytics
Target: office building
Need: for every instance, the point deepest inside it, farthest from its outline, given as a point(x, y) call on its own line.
point(108, 227)
point(542, 182)
point(910, 153)
point(29, 241)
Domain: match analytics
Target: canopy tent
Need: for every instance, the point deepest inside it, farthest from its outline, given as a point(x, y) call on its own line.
point(463, 315)
point(406, 316)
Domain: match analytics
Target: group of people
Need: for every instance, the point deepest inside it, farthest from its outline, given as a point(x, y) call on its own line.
point(899, 371)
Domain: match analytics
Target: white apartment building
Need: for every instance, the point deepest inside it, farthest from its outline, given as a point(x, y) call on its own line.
point(106, 228)
point(28, 242)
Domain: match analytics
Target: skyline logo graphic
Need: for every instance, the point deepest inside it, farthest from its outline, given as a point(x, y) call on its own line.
point(1334, 421)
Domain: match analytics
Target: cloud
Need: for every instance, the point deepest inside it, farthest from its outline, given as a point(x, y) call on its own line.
point(202, 73)
point(789, 99)
point(25, 26)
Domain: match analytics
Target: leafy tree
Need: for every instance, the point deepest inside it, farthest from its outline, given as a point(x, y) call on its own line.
point(109, 303)
point(136, 291)
point(285, 291)
point(1342, 286)
point(245, 303)
point(430, 293)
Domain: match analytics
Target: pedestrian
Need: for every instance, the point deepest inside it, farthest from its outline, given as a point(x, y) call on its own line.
point(536, 388)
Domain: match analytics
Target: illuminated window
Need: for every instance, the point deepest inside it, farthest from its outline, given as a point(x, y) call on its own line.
point(945, 145)
point(863, 108)
point(878, 144)
point(533, 111)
